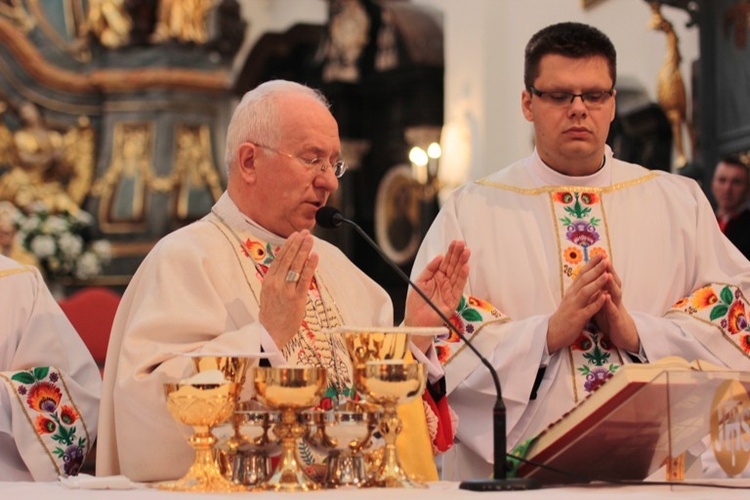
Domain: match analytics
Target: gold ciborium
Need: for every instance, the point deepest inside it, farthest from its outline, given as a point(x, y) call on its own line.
point(201, 406)
point(290, 390)
point(342, 434)
point(233, 367)
point(390, 383)
point(247, 443)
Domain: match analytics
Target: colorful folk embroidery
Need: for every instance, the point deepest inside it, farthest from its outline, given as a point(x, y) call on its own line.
point(723, 306)
point(468, 318)
point(55, 418)
point(581, 236)
point(309, 346)
point(594, 348)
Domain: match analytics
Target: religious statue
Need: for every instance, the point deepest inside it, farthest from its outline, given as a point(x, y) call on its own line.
point(124, 189)
point(670, 90)
point(15, 11)
point(348, 34)
point(46, 165)
point(109, 22)
point(182, 20)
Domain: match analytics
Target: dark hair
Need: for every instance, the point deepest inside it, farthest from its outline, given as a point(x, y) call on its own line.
point(735, 161)
point(574, 40)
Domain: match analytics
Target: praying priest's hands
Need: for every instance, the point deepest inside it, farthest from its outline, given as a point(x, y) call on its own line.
point(283, 293)
point(580, 302)
point(614, 320)
point(443, 281)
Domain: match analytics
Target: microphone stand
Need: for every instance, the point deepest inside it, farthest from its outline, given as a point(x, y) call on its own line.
point(499, 480)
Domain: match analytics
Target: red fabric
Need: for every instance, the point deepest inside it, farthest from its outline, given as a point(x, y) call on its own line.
point(92, 311)
point(444, 438)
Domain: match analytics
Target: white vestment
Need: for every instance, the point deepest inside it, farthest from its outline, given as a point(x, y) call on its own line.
point(663, 241)
point(49, 400)
point(190, 294)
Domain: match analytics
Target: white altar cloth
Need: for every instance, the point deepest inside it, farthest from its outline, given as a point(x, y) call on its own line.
point(435, 491)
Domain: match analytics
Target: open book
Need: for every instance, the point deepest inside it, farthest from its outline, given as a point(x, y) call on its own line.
point(630, 425)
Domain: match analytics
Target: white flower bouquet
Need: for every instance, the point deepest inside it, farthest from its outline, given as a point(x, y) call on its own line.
point(62, 243)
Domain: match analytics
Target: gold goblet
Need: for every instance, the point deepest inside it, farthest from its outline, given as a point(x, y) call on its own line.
point(234, 369)
point(201, 406)
point(290, 390)
point(390, 383)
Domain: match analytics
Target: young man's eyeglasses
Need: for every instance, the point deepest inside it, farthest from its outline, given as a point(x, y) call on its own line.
point(316, 163)
point(590, 99)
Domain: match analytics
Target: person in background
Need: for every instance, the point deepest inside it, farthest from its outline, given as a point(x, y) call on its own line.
point(249, 277)
point(50, 384)
point(730, 186)
point(581, 262)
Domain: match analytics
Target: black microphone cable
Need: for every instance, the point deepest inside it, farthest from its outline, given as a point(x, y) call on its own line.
point(330, 218)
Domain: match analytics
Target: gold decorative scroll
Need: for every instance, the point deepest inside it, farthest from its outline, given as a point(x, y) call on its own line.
point(106, 81)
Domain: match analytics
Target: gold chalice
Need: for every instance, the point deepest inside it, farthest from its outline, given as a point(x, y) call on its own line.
point(290, 390)
point(201, 406)
point(390, 383)
point(343, 434)
point(380, 343)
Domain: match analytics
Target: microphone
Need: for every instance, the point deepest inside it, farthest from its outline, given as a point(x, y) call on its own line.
point(331, 218)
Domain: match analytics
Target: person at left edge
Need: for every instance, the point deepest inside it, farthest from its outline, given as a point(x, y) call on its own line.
point(49, 382)
point(250, 276)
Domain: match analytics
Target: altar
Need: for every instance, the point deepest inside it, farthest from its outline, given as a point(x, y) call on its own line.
point(728, 489)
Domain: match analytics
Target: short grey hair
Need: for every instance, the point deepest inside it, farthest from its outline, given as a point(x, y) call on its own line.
point(256, 117)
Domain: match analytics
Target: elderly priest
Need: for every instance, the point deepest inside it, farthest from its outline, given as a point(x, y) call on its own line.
point(250, 276)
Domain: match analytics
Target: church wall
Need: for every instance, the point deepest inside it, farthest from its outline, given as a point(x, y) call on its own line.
point(484, 42)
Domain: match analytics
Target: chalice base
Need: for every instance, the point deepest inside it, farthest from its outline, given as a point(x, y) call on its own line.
point(204, 475)
point(393, 479)
point(391, 474)
point(289, 477)
point(345, 469)
point(201, 480)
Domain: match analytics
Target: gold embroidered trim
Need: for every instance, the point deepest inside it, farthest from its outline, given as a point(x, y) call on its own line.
point(557, 242)
point(578, 189)
point(17, 270)
point(226, 235)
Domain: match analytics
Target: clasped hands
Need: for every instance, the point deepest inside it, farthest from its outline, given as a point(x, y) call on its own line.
point(595, 294)
point(283, 300)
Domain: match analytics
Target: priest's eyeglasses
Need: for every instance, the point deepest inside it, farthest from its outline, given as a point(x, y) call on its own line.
point(592, 99)
point(312, 164)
